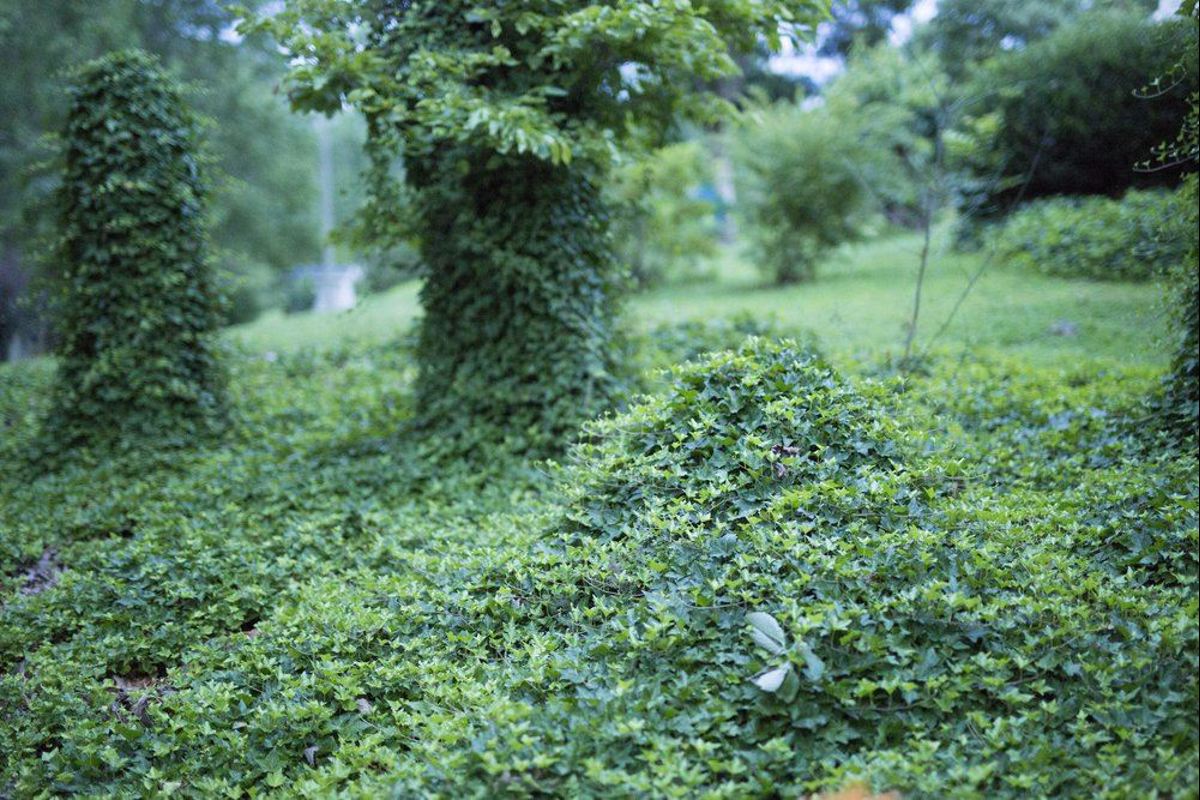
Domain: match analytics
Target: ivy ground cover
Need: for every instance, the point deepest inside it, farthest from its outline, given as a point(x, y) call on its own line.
point(767, 577)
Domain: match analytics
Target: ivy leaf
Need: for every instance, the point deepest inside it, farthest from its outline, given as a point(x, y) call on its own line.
point(767, 632)
point(772, 680)
point(814, 667)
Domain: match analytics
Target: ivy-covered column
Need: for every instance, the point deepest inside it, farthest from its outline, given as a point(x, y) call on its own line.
point(137, 308)
point(515, 345)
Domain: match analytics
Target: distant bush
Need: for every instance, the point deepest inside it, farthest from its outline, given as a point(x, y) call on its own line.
point(248, 288)
point(300, 295)
point(390, 268)
point(137, 358)
point(663, 229)
point(1136, 238)
point(1062, 112)
point(798, 189)
point(899, 104)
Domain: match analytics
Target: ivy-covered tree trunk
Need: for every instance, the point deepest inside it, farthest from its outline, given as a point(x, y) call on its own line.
point(503, 114)
point(515, 346)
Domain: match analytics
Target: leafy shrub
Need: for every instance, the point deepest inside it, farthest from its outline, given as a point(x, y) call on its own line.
point(248, 289)
point(299, 296)
point(1062, 112)
point(798, 189)
point(137, 358)
point(662, 228)
point(1139, 237)
point(391, 268)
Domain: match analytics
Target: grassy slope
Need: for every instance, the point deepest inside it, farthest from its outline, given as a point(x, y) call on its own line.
point(858, 306)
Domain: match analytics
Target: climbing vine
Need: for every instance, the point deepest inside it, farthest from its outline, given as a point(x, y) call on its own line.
point(137, 303)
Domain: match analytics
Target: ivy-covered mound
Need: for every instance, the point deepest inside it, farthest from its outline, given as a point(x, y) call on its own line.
point(753, 587)
point(137, 360)
point(763, 582)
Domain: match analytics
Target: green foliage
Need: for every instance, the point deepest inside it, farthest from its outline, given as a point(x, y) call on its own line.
point(801, 188)
point(507, 116)
point(260, 159)
point(663, 230)
point(247, 292)
point(299, 296)
point(1142, 236)
point(516, 345)
point(975, 584)
point(263, 161)
point(965, 33)
point(900, 104)
point(1181, 404)
point(137, 362)
point(391, 268)
point(1185, 147)
point(859, 23)
point(1061, 117)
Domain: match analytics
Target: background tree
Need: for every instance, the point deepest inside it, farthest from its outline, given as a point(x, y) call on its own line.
point(901, 104)
point(1061, 117)
point(800, 187)
point(967, 32)
point(263, 159)
point(137, 361)
point(862, 23)
point(506, 116)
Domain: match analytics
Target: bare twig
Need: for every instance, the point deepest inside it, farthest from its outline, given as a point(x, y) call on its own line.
point(987, 259)
point(931, 199)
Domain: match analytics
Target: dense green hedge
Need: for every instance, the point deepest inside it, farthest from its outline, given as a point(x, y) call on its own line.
point(980, 583)
point(1139, 237)
point(137, 360)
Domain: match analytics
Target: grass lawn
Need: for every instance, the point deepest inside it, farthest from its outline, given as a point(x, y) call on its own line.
point(858, 306)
